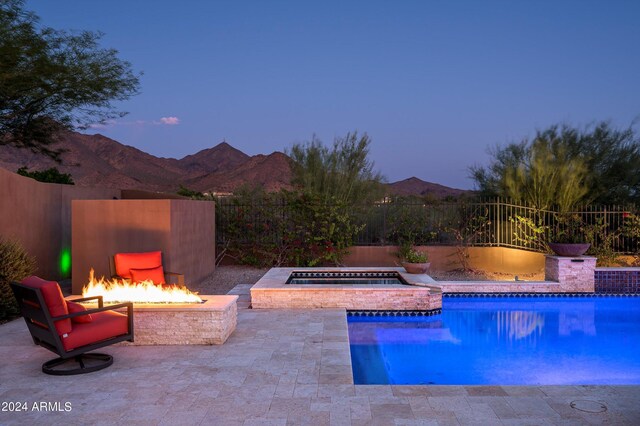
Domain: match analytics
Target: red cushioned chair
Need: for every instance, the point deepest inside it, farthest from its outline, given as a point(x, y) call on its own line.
point(138, 267)
point(70, 330)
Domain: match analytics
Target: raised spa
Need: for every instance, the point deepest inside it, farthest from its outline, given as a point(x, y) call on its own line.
point(351, 288)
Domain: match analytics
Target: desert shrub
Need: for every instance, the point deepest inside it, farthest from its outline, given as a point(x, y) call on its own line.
point(602, 238)
point(631, 231)
point(471, 226)
point(15, 264)
point(410, 224)
point(530, 232)
point(288, 229)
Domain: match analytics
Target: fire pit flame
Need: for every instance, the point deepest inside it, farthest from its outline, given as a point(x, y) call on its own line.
point(142, 292)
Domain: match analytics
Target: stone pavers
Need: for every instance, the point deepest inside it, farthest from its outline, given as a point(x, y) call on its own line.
point(279, 367)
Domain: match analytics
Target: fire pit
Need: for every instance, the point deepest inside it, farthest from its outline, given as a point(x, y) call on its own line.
point(169, 315)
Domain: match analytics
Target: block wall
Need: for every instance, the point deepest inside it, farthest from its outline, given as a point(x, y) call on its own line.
point(184, 230)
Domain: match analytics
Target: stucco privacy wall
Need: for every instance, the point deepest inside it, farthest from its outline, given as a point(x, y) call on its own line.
point(443, 258)
point(184, 230)
point(38, 215)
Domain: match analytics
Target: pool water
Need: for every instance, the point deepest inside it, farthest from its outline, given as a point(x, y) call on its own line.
point(503, 341)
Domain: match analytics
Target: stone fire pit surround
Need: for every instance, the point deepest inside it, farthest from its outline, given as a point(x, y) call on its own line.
point(208, 323)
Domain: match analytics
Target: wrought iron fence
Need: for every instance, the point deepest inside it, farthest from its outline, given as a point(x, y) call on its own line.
point(479, 223)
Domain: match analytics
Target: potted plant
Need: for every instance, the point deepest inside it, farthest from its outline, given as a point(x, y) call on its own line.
point(568, 236)
point(413, 260)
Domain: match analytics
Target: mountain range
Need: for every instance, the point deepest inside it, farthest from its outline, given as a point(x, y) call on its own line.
point(95, 160)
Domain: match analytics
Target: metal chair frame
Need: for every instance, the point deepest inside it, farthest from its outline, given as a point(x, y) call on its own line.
point(44, 333)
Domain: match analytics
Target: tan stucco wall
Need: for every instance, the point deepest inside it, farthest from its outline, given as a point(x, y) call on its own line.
point(184, 230)
point(38, 215)
point(443, 258)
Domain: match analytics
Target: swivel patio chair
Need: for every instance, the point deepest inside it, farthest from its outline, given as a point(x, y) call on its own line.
point(137, 267)
point(69, 329)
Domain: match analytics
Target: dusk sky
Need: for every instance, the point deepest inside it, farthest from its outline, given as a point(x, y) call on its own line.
point(434, 83)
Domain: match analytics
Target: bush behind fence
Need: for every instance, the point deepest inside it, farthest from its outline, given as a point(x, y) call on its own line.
point(482, 223)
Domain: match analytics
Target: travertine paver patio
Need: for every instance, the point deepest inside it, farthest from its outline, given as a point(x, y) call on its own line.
point(279, 367)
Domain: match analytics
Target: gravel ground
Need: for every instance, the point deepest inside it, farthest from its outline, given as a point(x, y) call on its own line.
point(460, 275)
point(224, 278)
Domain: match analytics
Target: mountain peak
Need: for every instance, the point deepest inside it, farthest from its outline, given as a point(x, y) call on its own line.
point(223, 144)
point(220, 158)
point(412, 179)
point(419, 187)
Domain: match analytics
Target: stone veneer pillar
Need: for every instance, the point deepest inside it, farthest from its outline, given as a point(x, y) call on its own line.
point(574, 274)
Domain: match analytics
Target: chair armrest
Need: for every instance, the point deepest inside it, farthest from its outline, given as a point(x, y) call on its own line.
point(84, 299)
point(180, 277)
point(127, 305)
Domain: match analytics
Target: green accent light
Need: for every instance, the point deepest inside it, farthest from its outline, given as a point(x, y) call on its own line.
point(65, 262)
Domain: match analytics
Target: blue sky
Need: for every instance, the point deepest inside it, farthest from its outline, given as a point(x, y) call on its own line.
point(434, 83)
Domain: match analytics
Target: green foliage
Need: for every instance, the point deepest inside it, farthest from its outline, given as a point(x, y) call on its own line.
point(342, 174)
point(602, 238)
point(612, 157)
point(52, 80)
point(408, 253)
point(631, 230)
point(186, 192)
point(318, 232)
point(410, 224)
point(471, 227)
point(530, 232)
point(563, 166)
point(15, 265)
point(568, 228)
point(631, 226)
point(541, 173)
point(288, 229)
point(194, 195)
point(51, 175)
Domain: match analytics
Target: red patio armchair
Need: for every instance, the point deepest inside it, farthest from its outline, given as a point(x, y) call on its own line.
point(138, 267)
point(69, 329)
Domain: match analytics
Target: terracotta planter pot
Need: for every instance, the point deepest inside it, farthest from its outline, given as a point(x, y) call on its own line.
point(416, 268)
point(569, 249)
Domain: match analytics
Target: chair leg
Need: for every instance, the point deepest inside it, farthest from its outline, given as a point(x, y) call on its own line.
point(88, 363)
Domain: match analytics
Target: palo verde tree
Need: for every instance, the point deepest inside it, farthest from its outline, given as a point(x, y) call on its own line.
point(316, 222)
point(612, 157)
point(51, 80)
point(540, 172)
point(341, 174)
point(563, 166)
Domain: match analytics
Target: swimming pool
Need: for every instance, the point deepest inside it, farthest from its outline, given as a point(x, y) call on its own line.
point(502, 341)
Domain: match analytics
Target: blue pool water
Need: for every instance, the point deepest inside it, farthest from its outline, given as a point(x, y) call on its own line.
point(503, 341)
